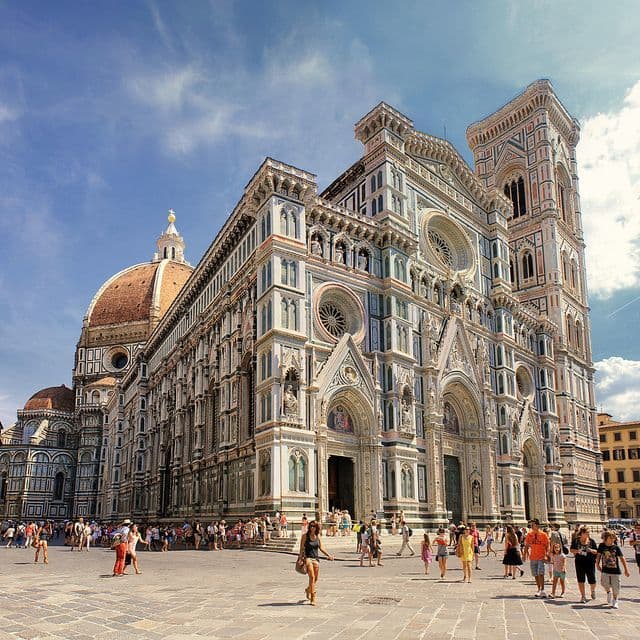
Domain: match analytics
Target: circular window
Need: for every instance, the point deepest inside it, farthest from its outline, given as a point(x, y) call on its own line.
point(115, 359)
point(119, 360)
point(524, 383)
point(337, 312)
point(446, 242)
point(440, 246)
point(333, 319)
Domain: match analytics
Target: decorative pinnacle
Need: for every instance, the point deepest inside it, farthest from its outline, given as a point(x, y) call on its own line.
point(172, 215)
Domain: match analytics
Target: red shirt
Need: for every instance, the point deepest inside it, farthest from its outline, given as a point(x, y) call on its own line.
point(538, 542)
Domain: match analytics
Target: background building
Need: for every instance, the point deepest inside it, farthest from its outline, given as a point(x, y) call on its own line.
point(620, 447)
point(415, 337)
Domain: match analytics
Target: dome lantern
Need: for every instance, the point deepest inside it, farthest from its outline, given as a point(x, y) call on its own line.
point(170, 245)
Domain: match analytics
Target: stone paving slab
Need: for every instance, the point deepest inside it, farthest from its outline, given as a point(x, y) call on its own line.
point(249, 595)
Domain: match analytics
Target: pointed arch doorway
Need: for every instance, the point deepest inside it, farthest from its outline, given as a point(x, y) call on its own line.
point(341, 484)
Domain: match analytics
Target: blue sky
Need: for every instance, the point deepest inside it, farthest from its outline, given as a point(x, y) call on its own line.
point(112, 112)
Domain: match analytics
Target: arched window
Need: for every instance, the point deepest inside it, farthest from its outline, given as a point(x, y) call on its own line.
point(374, 207)
point(380, 203)
point(373, 184)
point(499, 361)
point(406, 483)
point(527, 265)
point(578, 335)
point(574, 274)
point(58, 486)
point(512, 275)
point(165, 254)
point(142, 424)
point(62, 439)
point(379, 179)
point(503, 415)
point(173, 253)
point(265, 473)
point(297, 472)
point(505, 444)
point(514, 190)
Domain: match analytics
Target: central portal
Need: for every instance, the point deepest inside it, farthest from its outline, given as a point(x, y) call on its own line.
point(341, 493)
point(453, 487)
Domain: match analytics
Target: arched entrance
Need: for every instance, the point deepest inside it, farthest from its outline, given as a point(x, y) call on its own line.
point(352, 456)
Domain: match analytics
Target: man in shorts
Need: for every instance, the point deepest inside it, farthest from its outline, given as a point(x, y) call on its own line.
point(536, 549)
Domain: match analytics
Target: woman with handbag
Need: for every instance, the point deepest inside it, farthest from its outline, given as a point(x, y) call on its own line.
point(310, 544)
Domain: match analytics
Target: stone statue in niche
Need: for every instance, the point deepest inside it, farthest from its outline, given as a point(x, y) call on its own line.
point(406, 411)
point(475, 493)
point(316, 247)
point(434, 335)
point(339, 253)
point(290, 401)
point(363, 262)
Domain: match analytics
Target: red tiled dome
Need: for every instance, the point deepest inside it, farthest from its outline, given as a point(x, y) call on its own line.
point(57, 398)
point(130, 295)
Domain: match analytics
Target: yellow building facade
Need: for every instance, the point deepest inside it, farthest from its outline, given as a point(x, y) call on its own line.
point(620, 446)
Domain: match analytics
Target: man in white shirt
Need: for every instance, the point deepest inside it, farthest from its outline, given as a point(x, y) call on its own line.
point(404, 529)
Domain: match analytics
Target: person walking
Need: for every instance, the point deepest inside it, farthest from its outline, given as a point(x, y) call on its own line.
point(488, 540)
point(512, 559)
point(536, 549)
point(43, 535)
point(475, 534)
point(310, 545)
point(608, 563)
point(132, 542)
point(365, 548)
point(442, 552)
point(406, 532)
point(464, 551)
point(585, 550)
point(8, 535)
point(559, 563)
point(425, 553)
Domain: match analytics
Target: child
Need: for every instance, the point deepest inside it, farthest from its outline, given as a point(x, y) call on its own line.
point(442, 552)
point(559, 564)
point(426, 553)
point(608, 562)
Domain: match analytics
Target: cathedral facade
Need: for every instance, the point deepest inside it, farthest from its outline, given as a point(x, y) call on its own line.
point(415, 337)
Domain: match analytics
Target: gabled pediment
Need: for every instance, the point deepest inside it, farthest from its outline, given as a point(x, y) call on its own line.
point(345, 368)
point(509, 152)
point(456, 353)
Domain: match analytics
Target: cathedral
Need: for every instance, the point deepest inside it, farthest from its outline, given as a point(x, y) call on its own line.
point(414, 337)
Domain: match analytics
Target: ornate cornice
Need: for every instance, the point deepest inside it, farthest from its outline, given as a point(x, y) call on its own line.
point(538, 95)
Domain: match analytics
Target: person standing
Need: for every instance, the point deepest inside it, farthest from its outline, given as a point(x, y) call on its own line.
point(608, 562)
point(475, 534)
point(464, 551)
point(365, 548)
point(120, 544)
point(442, 552)
point(536, 549)
point(43, 536)
point(375, 543)
point(585, 550)
point(29, 533)
point(512, 559)
point(406, 532)
point(425, 553)
point(634, 541)
point(310, 545)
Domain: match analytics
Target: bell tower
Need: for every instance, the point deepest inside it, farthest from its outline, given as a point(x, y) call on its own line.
point(527, 150)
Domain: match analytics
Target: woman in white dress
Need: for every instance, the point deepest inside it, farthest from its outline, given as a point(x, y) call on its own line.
point(134, 538)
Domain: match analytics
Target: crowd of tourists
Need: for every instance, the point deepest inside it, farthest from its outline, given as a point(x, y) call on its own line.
point(546, 549)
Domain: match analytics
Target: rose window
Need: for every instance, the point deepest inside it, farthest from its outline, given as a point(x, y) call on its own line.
point(440, 246)
point(333, 319)
point(337, 312)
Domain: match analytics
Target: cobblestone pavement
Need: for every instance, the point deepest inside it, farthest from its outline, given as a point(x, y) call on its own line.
point(250, 595)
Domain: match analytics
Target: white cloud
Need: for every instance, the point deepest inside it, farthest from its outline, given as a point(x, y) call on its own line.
point(609, 164)
point(8, 114)
point(618, 387)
